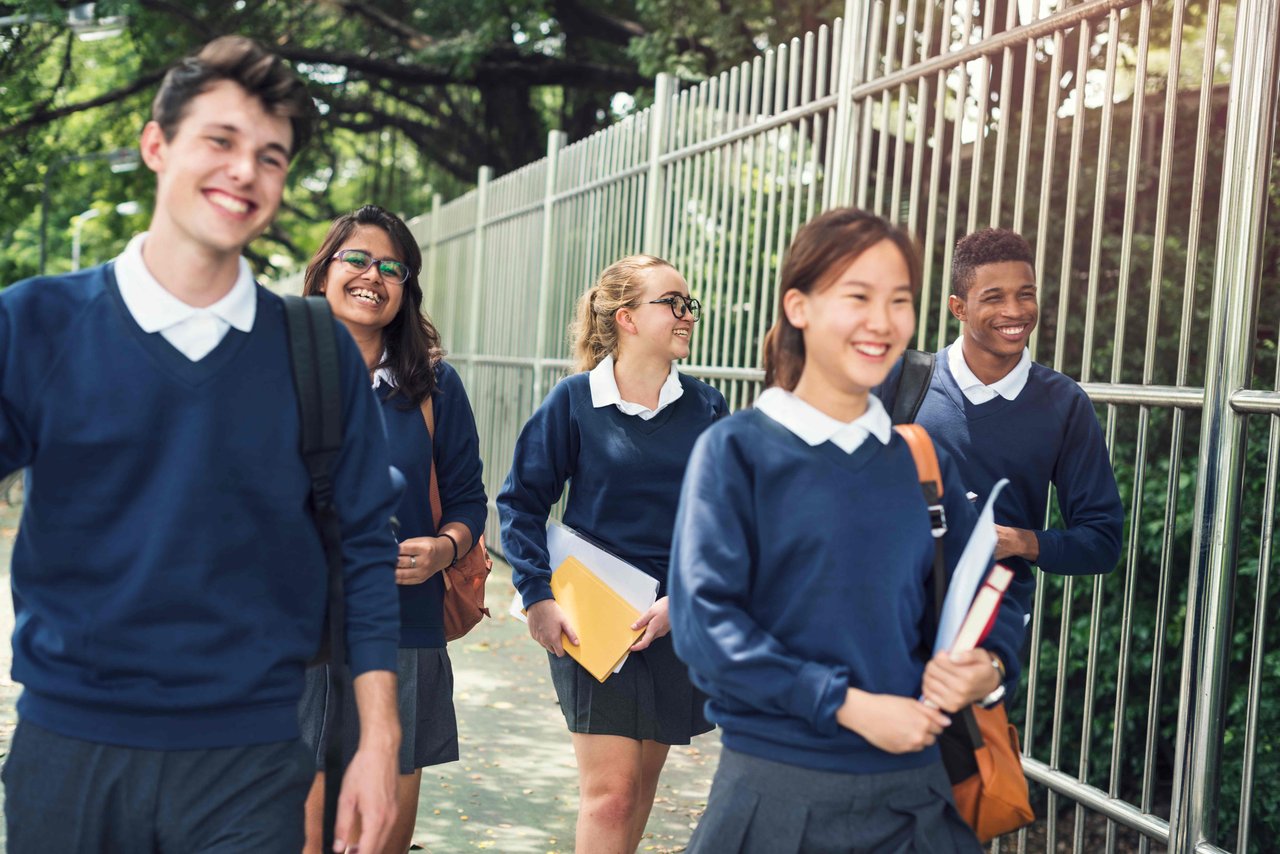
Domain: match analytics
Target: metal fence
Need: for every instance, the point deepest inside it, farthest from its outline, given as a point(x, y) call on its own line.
point(1133, 143)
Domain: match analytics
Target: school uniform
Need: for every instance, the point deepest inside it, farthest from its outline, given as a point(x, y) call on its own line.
point(624, 464)
point(424, 673)
point(168, 578)
point(1036, 427)
point(801, 567)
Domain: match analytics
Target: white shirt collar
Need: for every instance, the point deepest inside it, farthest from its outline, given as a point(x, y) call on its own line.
point(156, 309)
point(383, 374)
point(604, 391)
point(975, 390)
point(815, 426)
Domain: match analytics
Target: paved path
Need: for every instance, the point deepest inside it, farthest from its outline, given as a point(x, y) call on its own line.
point(515, 789)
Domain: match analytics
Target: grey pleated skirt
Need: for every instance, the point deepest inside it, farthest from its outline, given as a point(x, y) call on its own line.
point(424, 698)
point(761, 807)
point(651, 698)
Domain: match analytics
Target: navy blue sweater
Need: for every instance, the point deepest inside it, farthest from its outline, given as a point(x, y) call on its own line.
point(462, 498)
point(168, 579)
point(1049, 434)
point(625, 475)
point(798, 572)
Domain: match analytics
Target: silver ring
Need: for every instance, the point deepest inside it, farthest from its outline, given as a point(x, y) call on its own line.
point(413, 561)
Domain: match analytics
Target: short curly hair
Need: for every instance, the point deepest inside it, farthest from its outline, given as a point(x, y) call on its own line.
point(988, 246)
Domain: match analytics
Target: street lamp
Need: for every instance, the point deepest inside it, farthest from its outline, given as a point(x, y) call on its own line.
point(120, 159)
point(78, 222)
point(77, 225)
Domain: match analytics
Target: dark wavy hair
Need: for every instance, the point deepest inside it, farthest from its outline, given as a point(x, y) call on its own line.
point(243, 61)
point(820, 251)
point(411, 340)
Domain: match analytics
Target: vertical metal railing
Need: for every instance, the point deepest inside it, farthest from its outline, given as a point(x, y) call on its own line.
point(1131, 142)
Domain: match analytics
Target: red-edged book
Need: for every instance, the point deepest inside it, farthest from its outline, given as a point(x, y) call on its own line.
point(982, 613)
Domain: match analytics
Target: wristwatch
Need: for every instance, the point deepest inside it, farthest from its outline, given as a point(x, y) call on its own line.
point(998, 694)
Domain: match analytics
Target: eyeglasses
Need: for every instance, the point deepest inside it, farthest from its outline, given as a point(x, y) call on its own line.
point(388, 268)
point(679, 305)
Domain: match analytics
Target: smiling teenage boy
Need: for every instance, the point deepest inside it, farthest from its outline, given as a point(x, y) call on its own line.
point(168, 579)
point(1000, 415)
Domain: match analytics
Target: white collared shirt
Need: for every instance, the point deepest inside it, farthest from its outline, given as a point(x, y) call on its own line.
point(975, 390)
point(383, 374)
point(815, 426)
point(604, 391)
point(193, 331)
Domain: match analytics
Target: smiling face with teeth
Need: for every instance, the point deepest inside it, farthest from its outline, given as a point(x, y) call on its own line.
point(854, 328)
point(363, 299)
point(999, 311)
point(651, 330)
point(219, 177)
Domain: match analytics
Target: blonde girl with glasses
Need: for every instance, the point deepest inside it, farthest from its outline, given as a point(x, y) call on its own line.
point(619, 431)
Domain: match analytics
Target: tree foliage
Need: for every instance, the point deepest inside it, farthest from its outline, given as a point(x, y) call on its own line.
point(414, 97)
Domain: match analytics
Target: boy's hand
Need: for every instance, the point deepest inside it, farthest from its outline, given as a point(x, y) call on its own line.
point(1016, 542)
point(893, 724)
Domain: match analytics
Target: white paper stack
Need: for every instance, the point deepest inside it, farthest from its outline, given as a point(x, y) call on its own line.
point(969, 572)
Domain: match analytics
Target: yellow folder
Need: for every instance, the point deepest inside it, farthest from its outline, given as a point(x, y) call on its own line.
point(600, 616)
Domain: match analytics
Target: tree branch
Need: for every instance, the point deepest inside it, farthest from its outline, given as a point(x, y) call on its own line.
point(593, 23)
point(181, 12)
point(413, 38)
point(343, 115)
point(529, 69)
point(41, 117)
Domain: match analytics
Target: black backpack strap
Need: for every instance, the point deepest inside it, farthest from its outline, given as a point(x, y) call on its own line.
point(313, 353)
point(913, 385)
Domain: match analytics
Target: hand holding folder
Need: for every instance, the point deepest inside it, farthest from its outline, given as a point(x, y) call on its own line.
point(601, 617)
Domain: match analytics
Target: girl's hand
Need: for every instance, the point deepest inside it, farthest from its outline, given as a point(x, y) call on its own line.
point(422, 557)
point(546, 625)
point(952, 682)
point(655, 623)
point(892, 723)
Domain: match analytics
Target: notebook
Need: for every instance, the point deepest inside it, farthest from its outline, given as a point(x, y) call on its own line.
point(600, 616)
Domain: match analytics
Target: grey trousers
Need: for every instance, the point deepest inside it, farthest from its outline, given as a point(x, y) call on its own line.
point(64, 794)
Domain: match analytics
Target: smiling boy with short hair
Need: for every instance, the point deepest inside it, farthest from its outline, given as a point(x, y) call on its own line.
point(168, 578)
point(1001, 415)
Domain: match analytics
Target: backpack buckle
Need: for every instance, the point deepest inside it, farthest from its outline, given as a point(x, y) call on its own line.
point(937, 520)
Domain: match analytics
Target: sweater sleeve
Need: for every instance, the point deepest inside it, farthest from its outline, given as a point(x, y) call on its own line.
point(713, 560)
point(366, 502)
point(1088, 498)
point(16, 446)
point(1005, 637)
point(544, 459)
point(457, 455)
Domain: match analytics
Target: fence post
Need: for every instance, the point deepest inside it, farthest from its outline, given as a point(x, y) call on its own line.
point(1251, 120)
point(477, 265)
point(433, 244)
point(659, 115)
point(837, 190)
point(555, 141)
